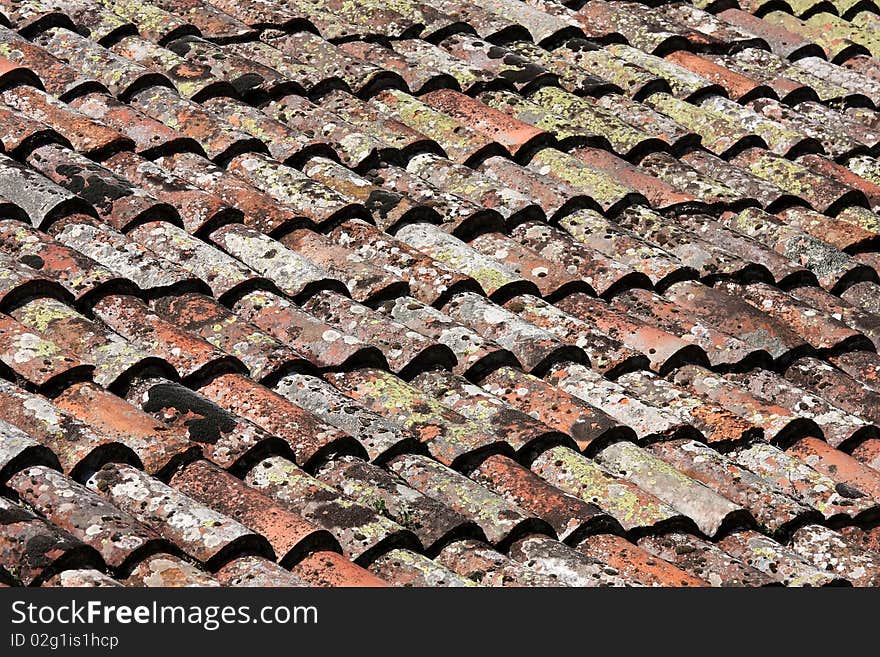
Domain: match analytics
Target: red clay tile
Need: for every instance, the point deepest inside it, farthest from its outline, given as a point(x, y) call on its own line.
point(363, 533)
point(31, 358)
point(664, 350)
point(116, 200)
point(116, 361)
point(827, 550)
point(167, 570)
point(121, 540)
point(430, 280)
point(450, 437)
point(226, 439)
point(227, 277)
point(523, 432)
point(190, 355)
point(635, 563)
point(407, 352)
point(587, 424)
point(218, 139)
point(35, 550)
point(25, 61)
point(309, 439)
point(331, 569)
point(290, 536)
point(79, 448)
point(81, 276)
point(210, 537)
point(636, 510)
point(838, 427)
point(199, 210)
point(41, 200)
point(535, 348)
point(518, 137)
point(570, 517)
point(704, 560)
point(607, 355)
point(122, 77)
point(160, 448)
point(779, 562)
point(21, 450)
point(496, 279)
point(724, 350)
point(435, 524)
point(254, 571)
point(266, 358)
point(154, 275)
point(479, 562)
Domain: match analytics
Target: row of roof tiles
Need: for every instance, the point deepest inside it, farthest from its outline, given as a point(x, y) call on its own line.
point(487, 303)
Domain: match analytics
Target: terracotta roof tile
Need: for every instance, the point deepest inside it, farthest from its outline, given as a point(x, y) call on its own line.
point(121, 540)
point(475, 355)
point(192, 80)
point(159, 448)
point(704, 560)
point(226, 276)
point(664, 350)
point(293, 273)
point(254, 81)
point(435, 523)
point(831, 498)
point(290, 536)
point(363, 533)
point(115, 360)
point(38, 198)
point(775, 511)
point(210, 537)
point(449, 437)
point(151, 137)
point(331, 569)
point(606, 275)
point(515, 206)
point(366, 118)
point(164, 569)
point(406, 351)
point(226, 439)
point(243, 188)
point(389, 209)
point(78, 447)
point(635, 563)
point(220, 140)
point(566, 565)
point(256, 571)
point(460, 216)
point(54, 74)
point(351, 239)
point(36, 550)
point(362, 77)
point(496, 279)
point(308, 438)
point(460, 142)
point(116, 200)
point(536, 349)
point(607, 355)
point(829, 551)
point(153, 274)
point(777, 561)
point(32, 358)
point(484, 565)
point(431, 281)
point(20, 450)
point(838, 426)
point(587, 424)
